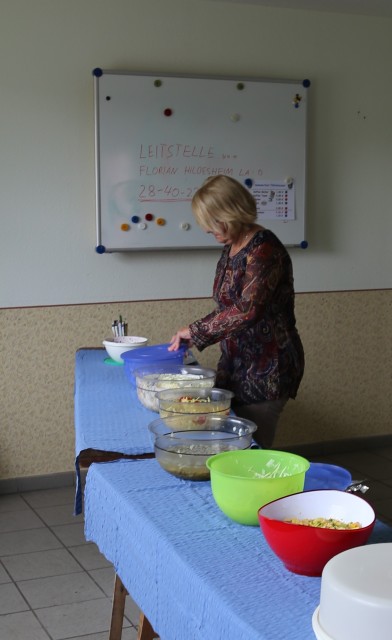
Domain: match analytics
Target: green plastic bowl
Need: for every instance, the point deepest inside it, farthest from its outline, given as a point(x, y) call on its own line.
point(244, 481)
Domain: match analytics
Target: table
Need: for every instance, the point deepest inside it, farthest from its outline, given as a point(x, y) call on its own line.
point(193, 572)
point(110, 422)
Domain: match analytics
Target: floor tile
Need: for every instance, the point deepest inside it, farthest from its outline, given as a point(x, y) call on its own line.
point(41, 564)
point(105, 579)
point(71, 535)
point(56, 590)
point(4, 577)
point(21, 626)
point(12, 503)
point(130, 633)
point(386, 452)
point(377, 490)
point(19, 520)
point(11, 600)
point(62, 514)
point(26, 541)
point(73, 620)
point(89, 556)
point(383, 509)
point(50, 497)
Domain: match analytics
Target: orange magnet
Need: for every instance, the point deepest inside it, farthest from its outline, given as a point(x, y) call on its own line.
point(125, 227)
point(161, 222)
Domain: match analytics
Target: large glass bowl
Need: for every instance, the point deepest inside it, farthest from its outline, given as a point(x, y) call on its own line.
point(182, 449)
point(192, 403)
point(154, 378)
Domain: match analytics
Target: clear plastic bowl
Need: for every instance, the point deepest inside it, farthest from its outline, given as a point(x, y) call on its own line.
point(192, 403)
point(182, 449)
point(155, 378)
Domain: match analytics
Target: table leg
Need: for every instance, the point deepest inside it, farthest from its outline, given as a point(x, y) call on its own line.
point(118, 606)
point(146, 632)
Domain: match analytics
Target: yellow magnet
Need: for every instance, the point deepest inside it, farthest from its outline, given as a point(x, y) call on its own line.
point(125, 227)
point(161, 222)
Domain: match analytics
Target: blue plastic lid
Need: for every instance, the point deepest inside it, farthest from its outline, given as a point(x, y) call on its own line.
point(154, 352)
point(326, 476)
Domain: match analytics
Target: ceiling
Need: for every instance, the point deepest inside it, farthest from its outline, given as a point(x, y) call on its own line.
point(375, 8)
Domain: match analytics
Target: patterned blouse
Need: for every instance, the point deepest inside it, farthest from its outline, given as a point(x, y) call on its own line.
point(261, 352)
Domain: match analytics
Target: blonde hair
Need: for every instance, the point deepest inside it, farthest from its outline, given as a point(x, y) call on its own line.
point(222, 202)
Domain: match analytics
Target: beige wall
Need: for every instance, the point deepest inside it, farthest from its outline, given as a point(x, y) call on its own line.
point(345, 391)
point(56, 292)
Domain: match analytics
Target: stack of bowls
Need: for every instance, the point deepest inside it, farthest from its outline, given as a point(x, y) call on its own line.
point(154, 354)
point(153, 378)
point(356, 595)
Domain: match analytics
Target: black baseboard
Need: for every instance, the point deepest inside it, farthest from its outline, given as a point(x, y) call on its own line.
point(38, 483)
point(340, 446)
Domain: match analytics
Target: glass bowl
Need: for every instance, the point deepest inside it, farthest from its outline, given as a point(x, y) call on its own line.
point(182, 449)
point(155, 378)
point(192, 403)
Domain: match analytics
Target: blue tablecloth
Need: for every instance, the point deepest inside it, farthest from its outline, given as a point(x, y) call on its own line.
point(193, 572)
point(108, 414)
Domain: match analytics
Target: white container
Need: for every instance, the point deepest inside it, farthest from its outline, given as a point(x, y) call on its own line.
point(122, 344)
point(356, 595)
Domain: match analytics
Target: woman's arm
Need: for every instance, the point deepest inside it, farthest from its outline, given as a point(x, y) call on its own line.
point(253, 289)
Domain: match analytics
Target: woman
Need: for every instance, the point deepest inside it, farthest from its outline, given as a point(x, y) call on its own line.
point(262, 359)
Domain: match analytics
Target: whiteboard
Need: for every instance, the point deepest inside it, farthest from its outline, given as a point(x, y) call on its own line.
point(158, 137)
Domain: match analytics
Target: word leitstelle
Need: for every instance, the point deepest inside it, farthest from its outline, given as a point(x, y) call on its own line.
point(166, 151)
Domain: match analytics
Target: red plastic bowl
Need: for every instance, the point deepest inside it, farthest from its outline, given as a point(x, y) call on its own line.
point(304, 549)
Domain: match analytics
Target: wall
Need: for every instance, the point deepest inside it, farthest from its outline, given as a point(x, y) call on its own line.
point(47, 187)
point(48, 49)
point(345, 392)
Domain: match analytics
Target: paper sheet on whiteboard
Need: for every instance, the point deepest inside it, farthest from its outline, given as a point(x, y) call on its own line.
point(275, 200)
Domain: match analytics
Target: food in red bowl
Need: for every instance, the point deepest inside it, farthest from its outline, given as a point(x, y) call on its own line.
point(307, 529)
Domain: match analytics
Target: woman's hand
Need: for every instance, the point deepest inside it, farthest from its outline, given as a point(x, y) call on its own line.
point(182, 335)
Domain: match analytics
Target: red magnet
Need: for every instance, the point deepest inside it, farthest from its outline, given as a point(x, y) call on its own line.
point(149, 217)
point(168, 112)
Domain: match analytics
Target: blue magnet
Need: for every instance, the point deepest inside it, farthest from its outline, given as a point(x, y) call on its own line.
point(100, 248)
point(304, 244)
point(97, 72)
point(306, 83)
point(135, 219)
point(249, 183)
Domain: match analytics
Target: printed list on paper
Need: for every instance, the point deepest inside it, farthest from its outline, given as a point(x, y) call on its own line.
point(275, 200)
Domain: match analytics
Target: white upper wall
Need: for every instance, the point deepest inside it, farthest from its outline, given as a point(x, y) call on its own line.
point(48, 49)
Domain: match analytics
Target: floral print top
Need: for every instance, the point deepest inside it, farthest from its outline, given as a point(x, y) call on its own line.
point(261, 352)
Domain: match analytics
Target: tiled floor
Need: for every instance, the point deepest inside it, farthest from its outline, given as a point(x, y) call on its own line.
point(54, 585)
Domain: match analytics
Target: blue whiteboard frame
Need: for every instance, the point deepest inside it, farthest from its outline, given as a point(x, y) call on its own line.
point(158, 136)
